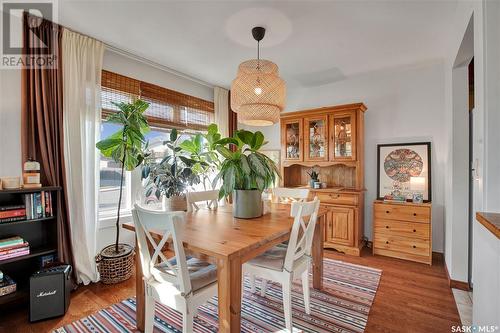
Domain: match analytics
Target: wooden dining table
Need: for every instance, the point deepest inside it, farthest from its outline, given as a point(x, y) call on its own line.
point(217, 236)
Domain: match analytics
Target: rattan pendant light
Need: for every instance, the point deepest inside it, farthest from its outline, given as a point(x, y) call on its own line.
point(258, 93)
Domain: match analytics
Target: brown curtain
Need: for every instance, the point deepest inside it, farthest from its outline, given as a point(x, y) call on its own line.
point(42, 117)
point(232, 118)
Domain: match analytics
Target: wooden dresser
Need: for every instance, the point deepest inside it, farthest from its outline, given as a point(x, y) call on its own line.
point(330, 139)
point(403, 230)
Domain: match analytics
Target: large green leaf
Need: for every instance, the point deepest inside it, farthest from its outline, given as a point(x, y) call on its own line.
point(245, 136)
point(257, 166)
point(257, 140)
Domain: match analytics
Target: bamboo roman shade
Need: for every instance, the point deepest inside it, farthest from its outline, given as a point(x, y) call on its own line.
point(168, 108)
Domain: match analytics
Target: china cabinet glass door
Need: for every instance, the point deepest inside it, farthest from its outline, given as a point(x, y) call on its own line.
point(292, 140)
point(342, 131)
point(316, 138)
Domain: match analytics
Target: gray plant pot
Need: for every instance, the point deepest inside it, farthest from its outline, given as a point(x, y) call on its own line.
point(247, 204)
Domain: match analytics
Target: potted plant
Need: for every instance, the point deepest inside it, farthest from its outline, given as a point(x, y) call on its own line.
point(314, 175)
point(245, 172)
point(171, 177)
point(201, 148)
point(126, 147)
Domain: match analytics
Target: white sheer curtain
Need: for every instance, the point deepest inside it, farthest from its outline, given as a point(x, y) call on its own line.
point(221, 106)
point(82, 65)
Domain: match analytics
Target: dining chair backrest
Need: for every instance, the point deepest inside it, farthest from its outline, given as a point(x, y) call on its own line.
point(169, 223)
point(212, 197)
point(293, 194)
point(300, 242)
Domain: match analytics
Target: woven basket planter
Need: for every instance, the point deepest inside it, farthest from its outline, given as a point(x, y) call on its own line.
point(175, 203)
point(115, 267)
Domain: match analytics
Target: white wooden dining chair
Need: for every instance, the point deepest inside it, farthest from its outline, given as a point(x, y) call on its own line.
point(290, 194)
point(180, 283)
point(212, 197)
point(286, 262)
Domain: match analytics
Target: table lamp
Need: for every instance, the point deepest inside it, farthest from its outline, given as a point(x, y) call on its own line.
point(417, 186)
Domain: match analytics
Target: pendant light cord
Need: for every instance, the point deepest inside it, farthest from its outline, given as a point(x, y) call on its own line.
point(258, 55)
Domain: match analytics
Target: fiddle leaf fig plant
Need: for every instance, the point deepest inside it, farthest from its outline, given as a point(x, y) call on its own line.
point(202, 149)
point(173, 174)
point(243, 167)
point(128, 145)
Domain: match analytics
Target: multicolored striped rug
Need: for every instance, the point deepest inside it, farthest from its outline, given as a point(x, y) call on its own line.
point(342, 306)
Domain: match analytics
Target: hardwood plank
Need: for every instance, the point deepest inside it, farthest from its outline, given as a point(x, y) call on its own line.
point(412, 297)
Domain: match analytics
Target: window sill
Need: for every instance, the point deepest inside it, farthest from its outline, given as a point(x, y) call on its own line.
point(108, 220)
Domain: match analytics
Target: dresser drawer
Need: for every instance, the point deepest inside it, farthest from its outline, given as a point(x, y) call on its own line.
point(402, 212)
point(336, 198)
point(408, 245)
point(402, 229)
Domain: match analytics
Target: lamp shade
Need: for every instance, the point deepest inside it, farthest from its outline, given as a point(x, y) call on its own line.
point(258, 93)
point(417, 184)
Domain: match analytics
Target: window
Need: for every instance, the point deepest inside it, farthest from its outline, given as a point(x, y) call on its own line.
point(168, 109)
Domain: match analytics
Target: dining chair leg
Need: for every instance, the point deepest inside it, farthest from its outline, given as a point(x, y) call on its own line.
point(252, 283)
point(263, 286)
point(306, 291)
point(287, 304)
point(149, 314)
point(187, 322)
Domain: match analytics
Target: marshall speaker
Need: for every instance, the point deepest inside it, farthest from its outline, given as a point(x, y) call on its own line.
point(49, 292)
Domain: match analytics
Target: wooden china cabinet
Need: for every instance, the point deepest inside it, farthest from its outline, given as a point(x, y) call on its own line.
point(330, 139)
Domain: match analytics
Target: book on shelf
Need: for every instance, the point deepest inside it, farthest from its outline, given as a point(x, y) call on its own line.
point(11, 241)
point(11, 207)
point(7, 286)
point(24, 251)
point(13, 219)
point(13, 213)
point(14, 248)
point(38, 205)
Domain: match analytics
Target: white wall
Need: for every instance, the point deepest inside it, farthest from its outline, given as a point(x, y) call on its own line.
point(404, 105)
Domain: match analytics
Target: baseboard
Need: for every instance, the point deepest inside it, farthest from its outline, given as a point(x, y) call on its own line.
point(455, 283)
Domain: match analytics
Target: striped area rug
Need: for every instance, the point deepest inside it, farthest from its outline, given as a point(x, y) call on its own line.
point(342, 306)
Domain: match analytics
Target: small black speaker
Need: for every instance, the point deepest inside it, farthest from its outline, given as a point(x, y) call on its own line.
point(50, 292)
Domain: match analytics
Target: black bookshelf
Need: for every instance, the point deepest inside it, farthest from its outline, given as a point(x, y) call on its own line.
point(40, 233)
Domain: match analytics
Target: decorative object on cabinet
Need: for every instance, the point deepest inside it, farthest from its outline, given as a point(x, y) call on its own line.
point(258, 93)
point(403, 230)
point(31, 175)
point(11, 183)
point(398, 163)
point(329, 141)
point(314, 177)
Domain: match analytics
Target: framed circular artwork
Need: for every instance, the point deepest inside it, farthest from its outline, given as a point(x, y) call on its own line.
point(404, 170)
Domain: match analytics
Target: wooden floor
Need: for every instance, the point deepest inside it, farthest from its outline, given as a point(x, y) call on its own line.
point(411, 298)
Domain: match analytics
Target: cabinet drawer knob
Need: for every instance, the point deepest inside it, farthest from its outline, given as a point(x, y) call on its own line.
point(387, 212)
point(414, 246)
point(387, 227)
point(387, 242)
point(414, 214)
point(414, 230)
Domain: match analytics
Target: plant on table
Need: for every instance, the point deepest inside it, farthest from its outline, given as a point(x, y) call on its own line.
point(245, 172)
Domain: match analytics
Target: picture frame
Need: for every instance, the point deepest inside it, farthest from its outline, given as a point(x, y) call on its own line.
point(397, 163)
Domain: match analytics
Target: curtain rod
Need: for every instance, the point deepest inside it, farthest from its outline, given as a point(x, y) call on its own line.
point(151, 63)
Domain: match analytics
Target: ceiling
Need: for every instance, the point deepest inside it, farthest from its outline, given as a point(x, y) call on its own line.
point(313, 42)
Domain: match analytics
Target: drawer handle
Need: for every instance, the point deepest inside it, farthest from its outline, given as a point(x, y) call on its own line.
point(335, 196)
point(414, 230)
point(387, 227)
point(414, 214)
point(414, 246)
point(387, 212)
point(387, 242)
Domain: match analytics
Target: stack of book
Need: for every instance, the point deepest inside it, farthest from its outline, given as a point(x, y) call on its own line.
point(7, 285)
point(12, 213)
point(38, 205)
point(13, 247)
